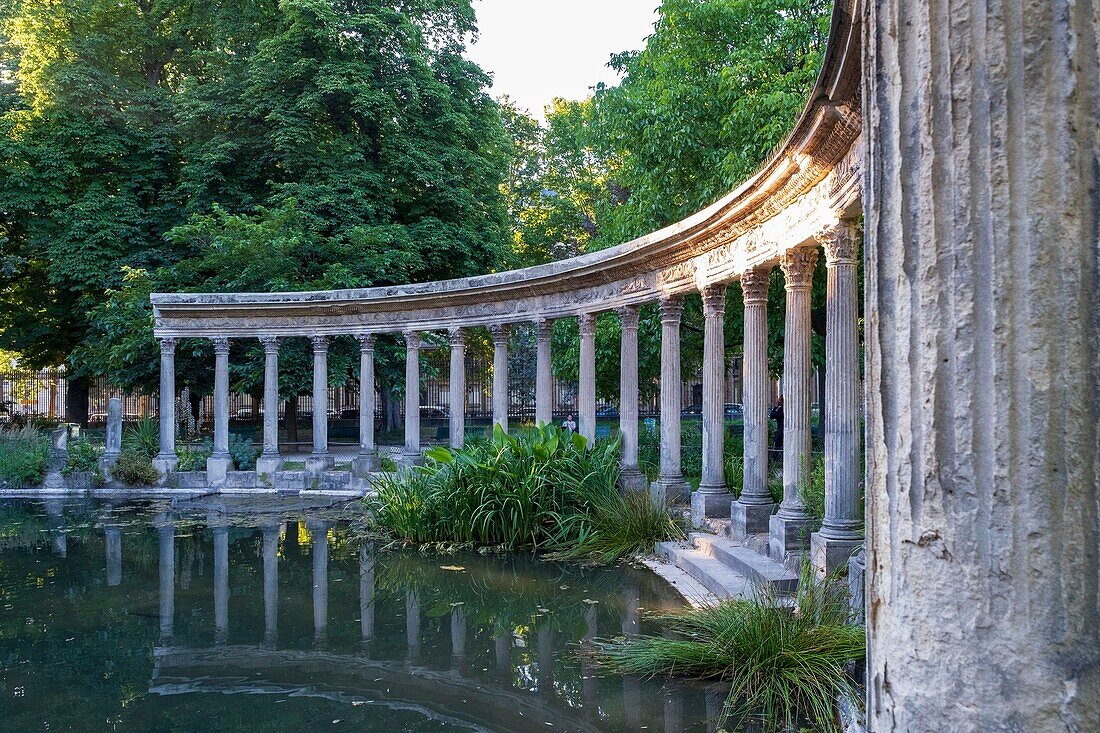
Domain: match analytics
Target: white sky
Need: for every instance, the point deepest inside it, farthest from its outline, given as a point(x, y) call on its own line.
point(540, 49)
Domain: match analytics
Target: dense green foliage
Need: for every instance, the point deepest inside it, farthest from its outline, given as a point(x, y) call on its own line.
point(134, 468)
point(83, 456)
point(786, 667)
point(23, 457)
point(540, 489)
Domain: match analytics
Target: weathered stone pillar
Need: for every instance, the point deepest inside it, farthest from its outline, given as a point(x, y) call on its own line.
point(841, 531)
point(713, 499)
point(586, 387)
point(458, 635)
point(457, 384)
point(792, 524)
point(366, 591)
point(271, 585)
point(410, 455)
point(544, 378)
point(500, 333)
point(320, 459)
point(166, 460)
point(112, 537)
point(319, 533)
point(270, 461)
point(631, 477)
point(752, 511)
point(166, 534)
point(983, 444)
point(367, 461)
point(412, 623)
point(114, 436)
point(220, 462)
point(221, 582)
point(671, 482)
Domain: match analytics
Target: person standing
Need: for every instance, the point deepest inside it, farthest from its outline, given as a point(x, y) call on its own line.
point(569, 424)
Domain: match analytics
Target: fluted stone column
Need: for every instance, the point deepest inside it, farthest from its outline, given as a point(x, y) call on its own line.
point(221, 582)
point(586, 388)
point(112, 537)
point(752, 511)
point(713, 499)
point(983, 445)
point(457, 384)
point(500, 332)
point(458, 635)
point(792, 524)
point(166, 460)
point(270, 461)
point(320, 459)
point(544, 378)
point(271, 585)
point(367, 461)
point(366, 591)
point(319, 534)
point(412, 623)
point(841, 531)
point(410, 455)
point(166, 534)
point(671, 483)
point(220, 462)
point(631, 477)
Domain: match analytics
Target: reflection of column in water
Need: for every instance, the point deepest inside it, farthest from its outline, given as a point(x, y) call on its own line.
point(366, 590)
point(546, 660)
point(319, 532)
point(715, 697)
point(112, 537)
point(221, 584)
point(588, 674)
point(632, 702)
point(167, 533)
point(503, 643)
point(458, 635)
point(674, 707)
point(412, 622)
point(632, 603)
point(271, 585)
point(59, 541)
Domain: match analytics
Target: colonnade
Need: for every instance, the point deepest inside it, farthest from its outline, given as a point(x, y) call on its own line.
point(790, 527)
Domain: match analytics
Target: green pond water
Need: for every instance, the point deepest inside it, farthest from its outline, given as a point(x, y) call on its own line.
point(215, 615)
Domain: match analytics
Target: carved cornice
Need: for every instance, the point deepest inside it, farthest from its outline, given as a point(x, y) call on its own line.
point(798, 267)
point(754, 285)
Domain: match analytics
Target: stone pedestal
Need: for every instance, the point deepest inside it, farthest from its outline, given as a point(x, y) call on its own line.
point(318, 464)
point(363, 465)
point(217, 468)
point(746, 519)
point(789, 539)
point(830, 554)
point(705, 504)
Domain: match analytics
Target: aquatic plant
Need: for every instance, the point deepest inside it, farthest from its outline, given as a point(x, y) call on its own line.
point(23, 457)
point(786, 667)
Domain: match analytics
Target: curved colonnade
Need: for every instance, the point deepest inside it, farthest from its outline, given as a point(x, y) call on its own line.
point(803, 202)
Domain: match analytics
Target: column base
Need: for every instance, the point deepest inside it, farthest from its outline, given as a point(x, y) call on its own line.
point(107, 463)
point(790, 538)
point(412, 459)
point(166, 463)
point(269, 463)
point(364, 464)
point(217, 467)
point(709, 503)
point(317, 464)
point(829, 554)
point(746, 519)
point(632, 479)
point(670, 490)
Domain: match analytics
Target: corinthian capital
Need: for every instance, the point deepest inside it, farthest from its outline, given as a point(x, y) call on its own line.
point(672, 306)
point(714, 300)
point(221, 344)
point(798, 267)
point(840, 244)
point(366, 341)
point(412, 339)
point(499, 332)
point(270, 343)
point(168, 346)
point(628, 317)
point(320, 344)
point(754, 285)
point(586, 324)
point(458, 337)
point(544, 329)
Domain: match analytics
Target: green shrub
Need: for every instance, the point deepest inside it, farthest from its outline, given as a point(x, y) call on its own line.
point(387, 464)
point(24, 456)
point(193, 457)
point(142, 437)
point(243, 452)
point(135, 468)
point(83, 456)
point(786, 667)
point(813, 488)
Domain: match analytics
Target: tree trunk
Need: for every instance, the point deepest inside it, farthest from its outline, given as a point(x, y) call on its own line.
point(290, 418)
point(76, 400)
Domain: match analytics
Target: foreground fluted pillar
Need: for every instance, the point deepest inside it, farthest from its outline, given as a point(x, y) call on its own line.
point(270, 461)
point(791, 526)
point(220, 462)
point(752, 511)
point(631, 477)
point(367, 460)
point(410, 454)
point(671, 483)
point(500, 375)
point(320, 459)
point(457, 386)
point(166, 460)
point(713, 499)
point(544, 378)
point(841, 532)
point(586, 387)
point(983, 443)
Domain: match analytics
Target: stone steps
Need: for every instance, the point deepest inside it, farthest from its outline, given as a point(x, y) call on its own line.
point(746, 561)
point(720, 580)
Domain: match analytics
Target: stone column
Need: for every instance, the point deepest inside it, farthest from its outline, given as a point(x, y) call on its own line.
point(544, 378)
point(457, 385)
point(112, 536)
point(792, 524)
point(752, 511)
point(631, 477)
point(114, 436)
point(500, 375)
point(544, 642)
point(220, 462)
point(412, 623)
point(841, 532)
point(166, 532)
point(983, 445)
point(586, 387)
point(367, 461)
point(270, 461)
point(320, 459)
point(366, 591)
point(671, 483)
point(410, 455)
point(221, 583)
point(166, 460)
point(271, 585)
point(458, 636)
point(713, 499)
point(319, 534)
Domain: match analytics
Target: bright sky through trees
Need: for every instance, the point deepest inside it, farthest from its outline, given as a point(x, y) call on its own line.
point(541, 49)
